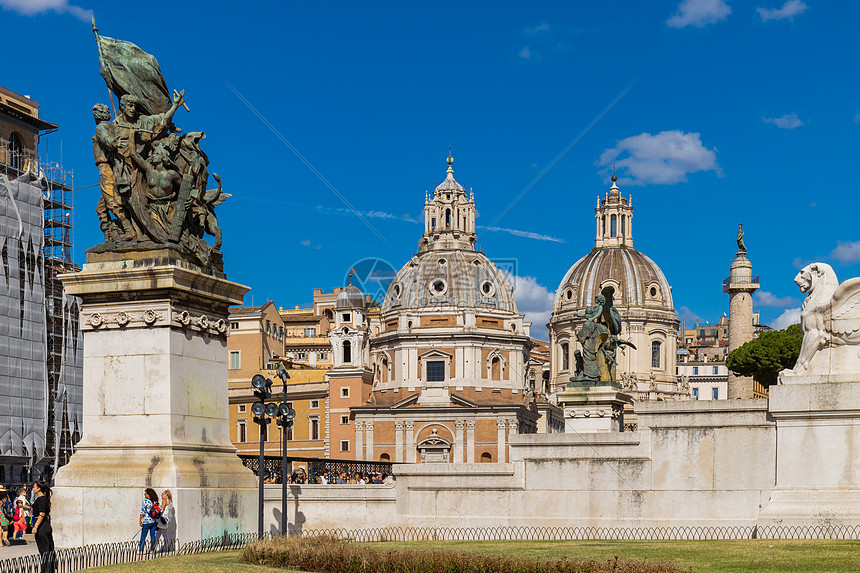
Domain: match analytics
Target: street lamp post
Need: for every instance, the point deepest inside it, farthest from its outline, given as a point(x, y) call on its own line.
point(285, 422)
point(262, 391)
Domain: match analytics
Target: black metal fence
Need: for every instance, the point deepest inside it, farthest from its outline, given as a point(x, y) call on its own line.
point(77, 559)
point(315, 467)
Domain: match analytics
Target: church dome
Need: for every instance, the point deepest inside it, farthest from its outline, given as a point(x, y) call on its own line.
point(449, 278)
point(638, 281)
point(350, 297)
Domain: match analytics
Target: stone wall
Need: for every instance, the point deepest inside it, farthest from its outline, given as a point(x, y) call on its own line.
point(715, 463)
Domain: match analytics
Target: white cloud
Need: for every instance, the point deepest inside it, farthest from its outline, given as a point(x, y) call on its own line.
point(542, 27)
point(525, 53)
point(535, 301)
point(665, 158)
point(33, 7)
point(846, 252)
point(310, 245)
point(789, 121)
point(787, 318)
point(788, 11)
point(699, 13)
point(687, 315)
point(765, 298)
point(526, 234)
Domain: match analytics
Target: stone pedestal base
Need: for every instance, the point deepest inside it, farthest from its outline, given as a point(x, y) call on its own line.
point(818, 454)
point(593, 408)
point(154, 405)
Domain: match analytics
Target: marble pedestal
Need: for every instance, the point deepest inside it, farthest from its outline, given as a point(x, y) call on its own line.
point(154, 403)
point(818, 454)
point(593, 406)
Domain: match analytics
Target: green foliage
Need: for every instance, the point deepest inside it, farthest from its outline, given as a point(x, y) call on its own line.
point(326, 554)
point(765, 356)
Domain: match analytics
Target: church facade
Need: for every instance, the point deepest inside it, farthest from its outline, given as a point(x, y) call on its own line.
point(643, 297)
point(448, 364)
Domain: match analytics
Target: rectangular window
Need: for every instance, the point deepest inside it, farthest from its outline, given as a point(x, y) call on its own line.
point(322, 356)
point(695, 393)
point(241, 431)
point(344, 419)
point(344, 392)
point(344, 445)
point(234, 325)
point(235, 360)
point(695, 370)
point(436, 371)
point(315, 428)
point(716, 370)
point(310, 332)
point(715, 393)
point(241, 408)
point(300, 355)
point(345, 317)
point(315, 404)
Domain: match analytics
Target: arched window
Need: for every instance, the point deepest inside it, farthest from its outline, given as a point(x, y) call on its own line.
point(565, 357)
point(656, 352)
point(496, 368)
point(613, 226)
point(347, 351)
point(623, 225)
point(486, 458)
point(603, 231)
point(15, 151)
point(384, 458)
point(383, 374)
point(447, 218)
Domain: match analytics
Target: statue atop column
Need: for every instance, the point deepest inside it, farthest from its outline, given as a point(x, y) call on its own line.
point(599, 339)
point(742, 248)
point(154, 179)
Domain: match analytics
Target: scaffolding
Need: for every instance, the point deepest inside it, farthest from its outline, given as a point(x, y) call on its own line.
point(63, 365)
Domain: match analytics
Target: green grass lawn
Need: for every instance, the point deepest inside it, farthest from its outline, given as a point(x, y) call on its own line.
point(729, 556)
point(722, 556)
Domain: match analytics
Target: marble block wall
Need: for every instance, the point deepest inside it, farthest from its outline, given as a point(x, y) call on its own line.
point(155, 406)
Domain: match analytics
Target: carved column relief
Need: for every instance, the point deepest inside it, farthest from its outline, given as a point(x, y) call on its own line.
point(398, 441)
point(500, 425)
point(410, 442)
point(458, 441)
point(470, 441)
point(359, 435)
point(368, 426)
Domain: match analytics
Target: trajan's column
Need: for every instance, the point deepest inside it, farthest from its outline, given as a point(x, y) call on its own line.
point(740, 285)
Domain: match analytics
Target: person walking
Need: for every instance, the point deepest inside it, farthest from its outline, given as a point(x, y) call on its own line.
point(42, 527)
point(166, 525)
point(146, 521)
point(5, 515)
point(20, 520)
point(28, 511)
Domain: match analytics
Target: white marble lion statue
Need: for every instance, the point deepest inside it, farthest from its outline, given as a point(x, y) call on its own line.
point(829, 321)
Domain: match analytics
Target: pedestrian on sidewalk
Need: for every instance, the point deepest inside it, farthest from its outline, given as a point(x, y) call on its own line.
point(20, 520)
point(42, 528)
point(146, 521)
point(6, 515)
point(166, 524)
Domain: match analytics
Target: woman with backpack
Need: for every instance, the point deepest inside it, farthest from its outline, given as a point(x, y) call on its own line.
point(167, 523)
point(149, 514)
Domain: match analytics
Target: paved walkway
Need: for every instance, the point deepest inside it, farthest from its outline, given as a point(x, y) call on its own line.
point(19, 550)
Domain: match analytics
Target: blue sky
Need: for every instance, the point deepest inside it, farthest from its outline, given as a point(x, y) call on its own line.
point(734, 112)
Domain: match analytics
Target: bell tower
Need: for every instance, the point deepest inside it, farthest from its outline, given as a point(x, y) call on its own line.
point(614, 218)
point(449, 216)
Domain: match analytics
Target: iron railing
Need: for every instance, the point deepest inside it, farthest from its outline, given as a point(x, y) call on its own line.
point(77, 559)
point(315, 467)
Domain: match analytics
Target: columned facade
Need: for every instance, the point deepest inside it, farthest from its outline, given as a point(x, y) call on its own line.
point(449, 361)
